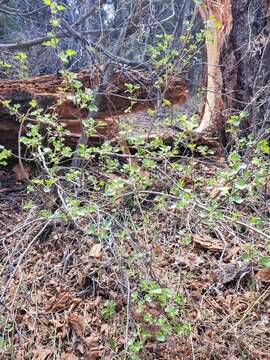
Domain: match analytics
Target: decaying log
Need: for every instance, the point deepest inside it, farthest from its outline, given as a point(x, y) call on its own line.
point(47, 91)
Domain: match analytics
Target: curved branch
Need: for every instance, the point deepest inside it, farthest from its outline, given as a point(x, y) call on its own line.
point(24, 13)
point(39, 41)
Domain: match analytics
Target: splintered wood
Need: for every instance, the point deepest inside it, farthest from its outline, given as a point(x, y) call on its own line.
point(217, 16)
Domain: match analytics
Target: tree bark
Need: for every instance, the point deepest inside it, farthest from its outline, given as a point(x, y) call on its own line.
point(238, 70)
point(217, 15)
point(246, 66)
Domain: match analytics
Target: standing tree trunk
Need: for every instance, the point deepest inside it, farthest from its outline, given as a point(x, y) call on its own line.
point(218, 19)
point(238, 67)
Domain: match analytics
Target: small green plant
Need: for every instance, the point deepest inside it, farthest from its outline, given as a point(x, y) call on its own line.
point(4, 155)
point(264, 261)
point(159, 312)
point(3, 343)
point(22, 60)
point(55, 9)
point(66, 55)
point(5, 65)
point(252, 253)
point(109, 309)
point(131, 89)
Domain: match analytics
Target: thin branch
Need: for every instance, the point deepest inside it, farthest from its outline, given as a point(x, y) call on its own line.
point(78, 35)
point(13, 12)
point(89, 12)
point(38, 41)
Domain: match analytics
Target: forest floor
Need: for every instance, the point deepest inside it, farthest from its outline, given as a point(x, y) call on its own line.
point(160, 273)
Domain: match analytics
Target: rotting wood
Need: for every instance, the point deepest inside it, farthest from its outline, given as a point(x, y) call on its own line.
point(47, 91)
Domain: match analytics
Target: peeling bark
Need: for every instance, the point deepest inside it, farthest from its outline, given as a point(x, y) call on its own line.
point(218, 16)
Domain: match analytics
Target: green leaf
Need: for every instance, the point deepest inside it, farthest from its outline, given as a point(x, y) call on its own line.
point(61, 7)
point(20, 56)
point(71, 52)
point(148, 318)
point(4, 155)
point(172, 311)
point(33, 103)
point(135, 346)
point(263, 146)
point(148, 163)
point(3, 343)
point(166, 102)
point(93, 108)
point(146, 333)
point(155, 291)
point(55, 22)
point(160, 336)
point(265, 261)
point(28, 205)
point(236, 198)
point(240, 184)
point(219, 25)
point(5, 65)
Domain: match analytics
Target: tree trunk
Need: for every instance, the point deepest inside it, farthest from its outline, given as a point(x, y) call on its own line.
point(218, 19)
point(238, 68)
point(246, 66)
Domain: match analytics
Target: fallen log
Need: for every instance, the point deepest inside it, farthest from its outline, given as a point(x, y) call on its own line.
point(47, 91)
